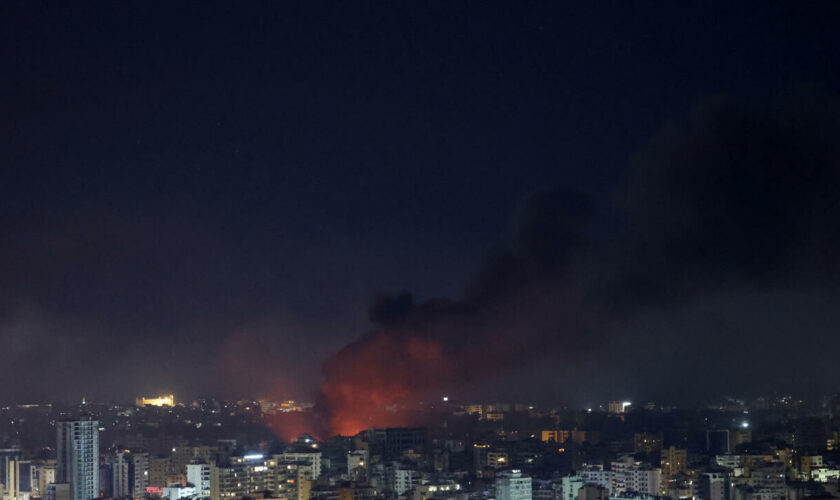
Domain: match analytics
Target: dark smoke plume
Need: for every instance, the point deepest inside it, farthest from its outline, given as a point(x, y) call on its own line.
point(737, 205)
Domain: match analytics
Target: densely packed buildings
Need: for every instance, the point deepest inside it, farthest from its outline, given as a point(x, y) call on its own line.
point(776, 449)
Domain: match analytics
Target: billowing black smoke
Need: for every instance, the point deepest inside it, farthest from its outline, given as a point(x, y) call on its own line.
point(714, 262)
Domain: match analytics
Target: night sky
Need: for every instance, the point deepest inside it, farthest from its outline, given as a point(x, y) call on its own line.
point(618, 200)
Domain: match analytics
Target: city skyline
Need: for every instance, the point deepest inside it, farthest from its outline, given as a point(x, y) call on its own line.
point(369, 206)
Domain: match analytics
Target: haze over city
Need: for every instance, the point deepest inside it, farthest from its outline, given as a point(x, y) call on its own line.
point(438, 250)
point(389, 215)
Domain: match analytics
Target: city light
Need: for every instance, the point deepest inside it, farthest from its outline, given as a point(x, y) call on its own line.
point(165, 400)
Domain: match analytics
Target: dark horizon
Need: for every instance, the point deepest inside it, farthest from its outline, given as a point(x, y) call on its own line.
point(366, 204)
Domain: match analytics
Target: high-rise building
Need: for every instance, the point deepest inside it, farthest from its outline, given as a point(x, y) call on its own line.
point(673, 461)
point(106, 479)
point(120, 484)
point(18, 479)
point(77, 457)
point(512, 485)
point(7, 455)
point(138, 474)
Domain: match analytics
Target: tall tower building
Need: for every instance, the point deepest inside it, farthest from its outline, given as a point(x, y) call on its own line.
point(77, 457)
point(120, 485)
point(138, 474)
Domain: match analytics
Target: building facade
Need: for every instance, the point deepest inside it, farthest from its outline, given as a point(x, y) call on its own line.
point(77, 457)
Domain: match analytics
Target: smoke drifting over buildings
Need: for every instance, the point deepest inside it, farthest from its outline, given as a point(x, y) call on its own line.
point(727, 226)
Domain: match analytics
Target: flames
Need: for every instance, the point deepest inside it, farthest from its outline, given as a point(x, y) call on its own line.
point(376, 381)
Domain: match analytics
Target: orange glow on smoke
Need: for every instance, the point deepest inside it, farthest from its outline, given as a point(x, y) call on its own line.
point(370, 382)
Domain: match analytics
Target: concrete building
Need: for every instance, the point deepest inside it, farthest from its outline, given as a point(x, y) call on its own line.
point(242, 477)
point(40, 475)
point(182, 455)
point(178, 492)
point(593, 492)
point(18, 479)
point(569, 487)
point(512, 485)
point(120, 484)
point(58, 491)
point(356, 460)
point(712, 486)
point(159, 467)
point(7, 455)
point(633, 476)
point(768, 481)
point(595, 474)
point(728, 461)
point(312, 460)
point(673, 461)
point(138, 474)
point(436, 490)
point(401, 479)
point(199, 476)
point(77, 457)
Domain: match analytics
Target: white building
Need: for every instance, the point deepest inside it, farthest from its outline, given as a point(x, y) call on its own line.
point(512, 485)
point(199, 476)
point(402, 480)
point(570, 485)
point(595, 474)
point(178, 492)
point(629, 475)
point(644, 480)
point(728, 461)
point(77, 453)
point(824, 474)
